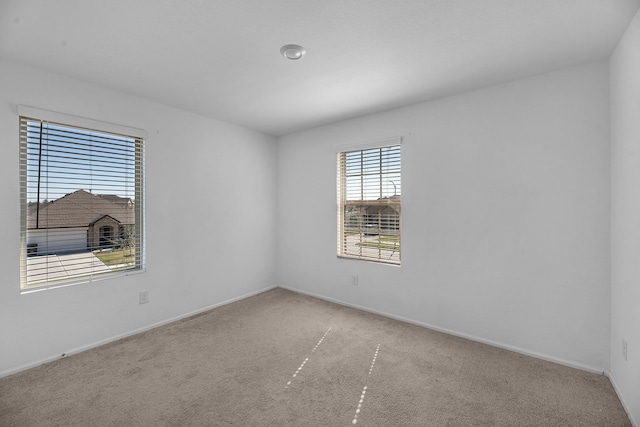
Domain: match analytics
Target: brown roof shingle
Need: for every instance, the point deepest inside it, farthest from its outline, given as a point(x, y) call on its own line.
point(77, 209)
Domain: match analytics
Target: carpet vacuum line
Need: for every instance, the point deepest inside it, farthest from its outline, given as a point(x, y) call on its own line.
point(364, 389)
point(295, 374)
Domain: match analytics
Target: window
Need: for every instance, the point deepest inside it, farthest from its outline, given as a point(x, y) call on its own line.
point(369, 202)
point(106, 236)
point(82, 203)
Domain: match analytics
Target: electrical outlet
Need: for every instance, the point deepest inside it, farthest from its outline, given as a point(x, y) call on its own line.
point(624, 349)
point(144, 297)
point(354, 280)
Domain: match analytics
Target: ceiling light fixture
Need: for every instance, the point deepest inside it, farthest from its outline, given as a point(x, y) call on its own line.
point(292, 51)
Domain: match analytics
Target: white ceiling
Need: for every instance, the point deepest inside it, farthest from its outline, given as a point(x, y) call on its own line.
point(220, 58)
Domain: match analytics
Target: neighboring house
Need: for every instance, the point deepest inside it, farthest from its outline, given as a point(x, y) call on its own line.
point(79, 221)
point(385, 214)
point(123, 201)
point(374, 215)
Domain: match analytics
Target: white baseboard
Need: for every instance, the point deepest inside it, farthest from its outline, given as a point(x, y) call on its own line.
point(456, 333)
point(128, 334)
point(333, 300)
point(624, 404)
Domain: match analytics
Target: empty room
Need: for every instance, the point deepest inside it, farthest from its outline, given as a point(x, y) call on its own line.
point(320, 213)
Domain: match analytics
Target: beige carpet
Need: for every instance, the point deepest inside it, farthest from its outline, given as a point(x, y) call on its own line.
point(283, 359)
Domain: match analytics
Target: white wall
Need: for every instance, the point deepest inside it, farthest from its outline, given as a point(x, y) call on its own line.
point(505, 215)
point(206, 180)
point(625, 217)
point(505, 218)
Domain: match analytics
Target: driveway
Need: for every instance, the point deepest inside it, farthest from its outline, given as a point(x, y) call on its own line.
point(57, 267)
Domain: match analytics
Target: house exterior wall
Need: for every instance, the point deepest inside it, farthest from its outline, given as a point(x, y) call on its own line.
point(57, 240)
point(93, 233)
point(384, 217)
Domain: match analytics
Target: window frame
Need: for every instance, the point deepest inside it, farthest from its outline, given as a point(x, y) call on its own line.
point(82, 123)
point(383, 202)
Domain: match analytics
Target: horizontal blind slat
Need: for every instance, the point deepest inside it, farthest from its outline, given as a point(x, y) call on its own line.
point(369, 187)
point(60, 163)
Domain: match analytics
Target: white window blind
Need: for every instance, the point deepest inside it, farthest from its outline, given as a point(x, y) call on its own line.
point(82, 205)
point(369, 204)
